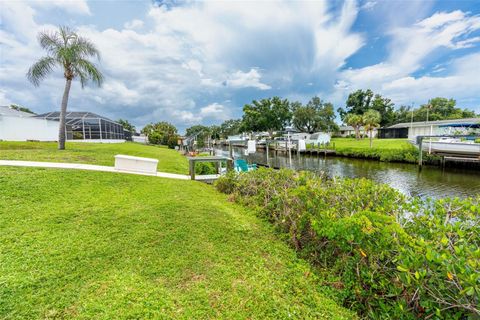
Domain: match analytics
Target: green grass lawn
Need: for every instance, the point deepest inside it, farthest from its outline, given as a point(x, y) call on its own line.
point(92, 153)
point(399, 150)
point(386, 144)
point(96, 245)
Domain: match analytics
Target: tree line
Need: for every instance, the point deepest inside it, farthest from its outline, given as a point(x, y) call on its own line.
point(363, 109)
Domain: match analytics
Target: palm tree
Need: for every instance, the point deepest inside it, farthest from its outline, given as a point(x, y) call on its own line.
point(69, 51)
point(371, 120)
point(356, 121)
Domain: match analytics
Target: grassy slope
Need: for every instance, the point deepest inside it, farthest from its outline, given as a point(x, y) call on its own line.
point(76, 244)
point(92, 153)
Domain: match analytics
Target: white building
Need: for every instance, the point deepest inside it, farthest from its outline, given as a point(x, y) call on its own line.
point(347, 131)
point(318, 138)
point(22, 126)
point(439, 127)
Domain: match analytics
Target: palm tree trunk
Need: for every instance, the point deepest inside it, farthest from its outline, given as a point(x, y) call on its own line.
point(371, 137)
point(63, 111)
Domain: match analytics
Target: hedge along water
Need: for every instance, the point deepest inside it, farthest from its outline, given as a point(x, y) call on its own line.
point(387, 255)
point(430, 182)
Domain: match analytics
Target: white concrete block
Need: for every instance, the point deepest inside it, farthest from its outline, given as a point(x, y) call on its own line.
point(135, 164)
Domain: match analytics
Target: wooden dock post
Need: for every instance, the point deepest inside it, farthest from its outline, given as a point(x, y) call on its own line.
point(420, 153)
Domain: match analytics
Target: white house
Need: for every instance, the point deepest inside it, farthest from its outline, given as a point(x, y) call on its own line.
point(22, 126)
point(438, 127)
point(346, 131)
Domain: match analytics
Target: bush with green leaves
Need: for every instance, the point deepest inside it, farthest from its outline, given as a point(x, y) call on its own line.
point(444, 264)
point(385, 253)
point(204, 168)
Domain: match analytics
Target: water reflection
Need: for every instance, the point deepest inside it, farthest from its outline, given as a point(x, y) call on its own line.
point(431, 181)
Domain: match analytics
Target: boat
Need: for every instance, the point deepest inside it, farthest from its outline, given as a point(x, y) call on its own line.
point(452, 146)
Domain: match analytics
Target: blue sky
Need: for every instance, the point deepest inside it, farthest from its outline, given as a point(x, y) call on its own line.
point(199, 62)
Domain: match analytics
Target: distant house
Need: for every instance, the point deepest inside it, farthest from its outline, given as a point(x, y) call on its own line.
point(22, 126)
point(349, 131)
point(412, 129)
point(89, 127)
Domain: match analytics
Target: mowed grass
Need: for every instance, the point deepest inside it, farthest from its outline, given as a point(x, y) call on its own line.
point(95, 245)
point(385, 144)
point(92, 153)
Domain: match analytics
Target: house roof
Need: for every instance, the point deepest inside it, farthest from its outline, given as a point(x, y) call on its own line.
point(8, 111)
point(348, 128)
point(55, 115)
point(466, 122)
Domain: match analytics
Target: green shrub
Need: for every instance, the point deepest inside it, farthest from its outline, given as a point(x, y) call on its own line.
point(226, 183)
point(172, 141)
point(385, 253)
point(443, 266)
point(155, 138)
point(204, 168)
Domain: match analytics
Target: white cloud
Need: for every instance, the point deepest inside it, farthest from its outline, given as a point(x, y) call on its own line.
point(134, 24)
point(369, 5)
point(161, 73)
point(242, 79)
point(409, 49)
point(176, 70)
point(4, 101)
point(70, 6)
point(215, 111)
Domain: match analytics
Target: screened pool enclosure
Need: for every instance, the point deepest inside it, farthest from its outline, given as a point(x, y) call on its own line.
point(88, 126)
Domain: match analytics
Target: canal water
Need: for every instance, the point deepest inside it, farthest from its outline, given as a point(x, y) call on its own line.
point(431, 181)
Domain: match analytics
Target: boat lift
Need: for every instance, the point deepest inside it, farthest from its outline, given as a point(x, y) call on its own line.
point(446, 155)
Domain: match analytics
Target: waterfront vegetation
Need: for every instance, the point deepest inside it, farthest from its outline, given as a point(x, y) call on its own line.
point(95, 245)
point(78, 244)
point(387, 256)
point(398, 150)
point(389, 150)
point(93, 153)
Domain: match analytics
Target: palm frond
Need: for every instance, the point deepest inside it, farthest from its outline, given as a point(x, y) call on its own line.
point(67, 35)
point(70, 51)
point(40, 70)
point(49, 41)
point(86, 70)
point(85, 48)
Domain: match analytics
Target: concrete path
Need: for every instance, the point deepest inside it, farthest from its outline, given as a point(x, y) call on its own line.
point(91, 167)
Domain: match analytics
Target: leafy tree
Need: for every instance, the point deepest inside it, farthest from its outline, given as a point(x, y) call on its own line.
point(215, 132)
point(271, 114)
point(358, 102)
point(371, 120)
point(361, 101)
point(356, 121)
point(200, 132)
point(230, 127)
point(403, 114)
point(315, 116)
point(305, 118)
point(384, 106)
point(161, 133)
point(197, 129)
point(441, 109)
point(436, 109)
point(69, 51)
point(127, 125)
point(20, 108)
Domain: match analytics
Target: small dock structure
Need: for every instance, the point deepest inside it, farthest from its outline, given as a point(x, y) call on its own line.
point(217, 160)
